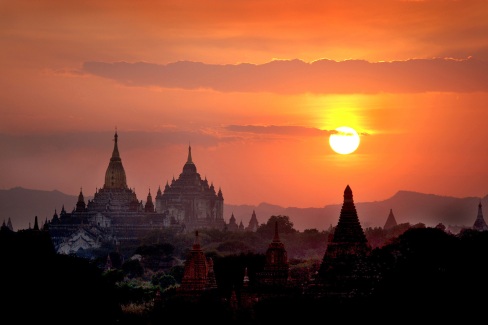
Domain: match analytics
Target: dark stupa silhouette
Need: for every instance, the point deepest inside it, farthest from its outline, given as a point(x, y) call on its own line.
point(276, 268)
point(390, 221)
point(345, 250)
point(348, 236)
point(480, 223)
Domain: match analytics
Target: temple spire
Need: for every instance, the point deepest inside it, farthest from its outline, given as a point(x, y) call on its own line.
point(189, 161)
point(115, 153)
point(349, 229)
point(276, 237)
point(480, 223)
point(196, 242)
point(115, 175)
point(390, 221)
point(189, 167)
point(36, 224)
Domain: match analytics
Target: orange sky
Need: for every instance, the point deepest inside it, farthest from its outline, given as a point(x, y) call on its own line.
point(255, 87)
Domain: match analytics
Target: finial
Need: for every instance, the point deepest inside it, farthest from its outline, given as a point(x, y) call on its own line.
point(196, 243)
point(276, 236)
point(189, 154)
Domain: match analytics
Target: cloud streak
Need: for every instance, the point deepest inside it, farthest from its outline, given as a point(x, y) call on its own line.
point(291, 130)
point(296, 76)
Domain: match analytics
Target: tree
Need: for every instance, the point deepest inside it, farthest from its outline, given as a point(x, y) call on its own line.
point(133, 268)
point(285, 226)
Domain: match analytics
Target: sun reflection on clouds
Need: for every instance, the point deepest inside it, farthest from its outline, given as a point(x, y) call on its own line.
point(332, 111)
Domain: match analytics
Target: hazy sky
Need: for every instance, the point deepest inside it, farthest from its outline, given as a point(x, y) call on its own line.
point(255, 87)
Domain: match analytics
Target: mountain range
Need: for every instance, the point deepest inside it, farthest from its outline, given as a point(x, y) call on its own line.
point(23, 205)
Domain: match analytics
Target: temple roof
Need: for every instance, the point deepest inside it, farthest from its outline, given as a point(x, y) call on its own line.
point(115, 174)
point(349, 229)
point(189, 167)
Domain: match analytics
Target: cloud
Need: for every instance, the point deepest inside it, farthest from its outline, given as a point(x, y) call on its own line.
point(296, 76)
point(279, 130)
point(29, 145)
point(45, 144)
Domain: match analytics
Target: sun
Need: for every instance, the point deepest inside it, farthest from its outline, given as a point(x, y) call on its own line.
point(344, 140)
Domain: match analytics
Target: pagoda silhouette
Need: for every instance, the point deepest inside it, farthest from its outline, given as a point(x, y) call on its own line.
point(346, 251)
point(390, 221)
point(479, 223)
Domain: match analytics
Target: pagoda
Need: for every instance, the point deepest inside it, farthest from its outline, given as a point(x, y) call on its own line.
point(191, 201)
point(113, 217)
point(345, 250)
point(198, 273)
point(253, 223)
point(390, 221)
point(276, 267)
point(479, 223)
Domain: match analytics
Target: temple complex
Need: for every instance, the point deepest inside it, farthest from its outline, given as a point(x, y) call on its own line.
point(116, 216)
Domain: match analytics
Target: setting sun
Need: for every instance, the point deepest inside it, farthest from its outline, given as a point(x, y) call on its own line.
point(344, 141)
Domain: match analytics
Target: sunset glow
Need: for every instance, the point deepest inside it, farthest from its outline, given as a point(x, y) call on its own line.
point(345, 140)
point(256, 87)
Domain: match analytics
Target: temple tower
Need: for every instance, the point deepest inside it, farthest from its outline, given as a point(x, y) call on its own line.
point(115, 174)
point(479, 223)
point(115, 196)
point(346, 248)
point(276, 267)
point(80, 205)
point(390, 221)
point(149, 207)
point(196, 269)
point(191, 201)
point(253, 223)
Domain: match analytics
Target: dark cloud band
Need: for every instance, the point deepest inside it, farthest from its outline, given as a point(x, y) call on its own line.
point(295, 76)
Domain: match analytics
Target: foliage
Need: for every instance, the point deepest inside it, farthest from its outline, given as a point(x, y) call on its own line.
point(177, 272)
point(133, 268)
point(163, 249)
point(135, 291)
point(285, 226)
point(379, 237)
point(233, 247)
point(163, 280)
point(32, 272)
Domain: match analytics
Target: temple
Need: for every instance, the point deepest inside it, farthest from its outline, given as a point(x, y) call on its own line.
point(390, 221)
point(479, 223)
point(191, 201)
point(115, 216)
point(253, 223)
point(198, 274)
point(276, 267)
point(346, 248)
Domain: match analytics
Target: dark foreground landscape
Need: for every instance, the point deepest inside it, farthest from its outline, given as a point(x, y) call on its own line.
point(423, 274)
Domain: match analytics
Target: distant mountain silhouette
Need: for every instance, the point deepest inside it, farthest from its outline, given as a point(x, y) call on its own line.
point(22, 205)
point(408, 207)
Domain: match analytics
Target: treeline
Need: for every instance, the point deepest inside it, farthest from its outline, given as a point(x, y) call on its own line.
point(421, 272)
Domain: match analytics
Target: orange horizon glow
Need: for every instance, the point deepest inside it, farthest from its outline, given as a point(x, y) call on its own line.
point(256, 88)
